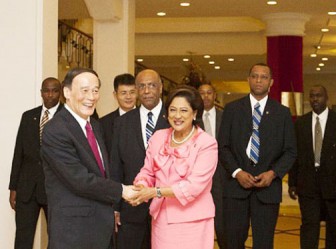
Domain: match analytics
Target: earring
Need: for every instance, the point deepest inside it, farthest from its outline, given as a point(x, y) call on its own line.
point(194, 118)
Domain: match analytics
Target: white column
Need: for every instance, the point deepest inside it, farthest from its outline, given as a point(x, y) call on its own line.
point(285, 23)
point(28, 54)
point(113, 36)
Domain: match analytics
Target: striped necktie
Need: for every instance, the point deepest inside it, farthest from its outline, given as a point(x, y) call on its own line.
point(44, 120)
point(149, 126)
point(255, 142)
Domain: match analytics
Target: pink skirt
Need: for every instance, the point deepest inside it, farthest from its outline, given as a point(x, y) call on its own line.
point(188, 235)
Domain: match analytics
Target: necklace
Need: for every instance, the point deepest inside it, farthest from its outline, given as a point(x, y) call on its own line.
point(185, 139)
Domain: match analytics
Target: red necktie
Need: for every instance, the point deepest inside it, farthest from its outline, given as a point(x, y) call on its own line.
point(94, 147)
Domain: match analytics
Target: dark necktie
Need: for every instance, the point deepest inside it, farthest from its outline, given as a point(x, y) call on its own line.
point(149, 126)
point(255, 142)
point(44, 120)
point(94, 147)
point(318, 141)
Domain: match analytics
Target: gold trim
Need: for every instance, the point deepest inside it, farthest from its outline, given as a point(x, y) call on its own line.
point(294, 101)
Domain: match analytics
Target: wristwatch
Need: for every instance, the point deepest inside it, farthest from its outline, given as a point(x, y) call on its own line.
point(158, 192)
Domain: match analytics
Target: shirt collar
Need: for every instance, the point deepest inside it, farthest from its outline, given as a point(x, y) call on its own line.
point(52, 110)
point(156, 110)
point(122, 112)
point(323, 115)
point(212, 111)
point(262, 102)
point(82, 122)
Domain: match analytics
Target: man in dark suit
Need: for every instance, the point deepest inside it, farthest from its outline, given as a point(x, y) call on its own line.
point(27, 191)
point(78, 185)
point(128, 153)
point(125, 94)
point(256, 154)
point(313, 176)
point(211, 120)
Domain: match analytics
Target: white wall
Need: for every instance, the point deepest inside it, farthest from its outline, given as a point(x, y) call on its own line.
point(23, 66)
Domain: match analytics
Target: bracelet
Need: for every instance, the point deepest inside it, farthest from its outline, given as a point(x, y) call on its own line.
point(158, 192)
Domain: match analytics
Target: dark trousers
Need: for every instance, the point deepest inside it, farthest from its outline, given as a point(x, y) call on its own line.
point(134, 235)
point(217, 195)
point(311, 210)
point(26, 216)
point(240, 213)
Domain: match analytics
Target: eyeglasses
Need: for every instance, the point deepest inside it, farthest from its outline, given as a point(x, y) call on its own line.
point(261, 76)
point(151, 85)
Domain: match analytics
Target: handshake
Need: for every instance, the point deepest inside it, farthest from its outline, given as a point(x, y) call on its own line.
point(136, 194)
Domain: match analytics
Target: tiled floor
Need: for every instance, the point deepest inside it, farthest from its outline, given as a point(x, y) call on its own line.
point(288, 230)
point(287, 234)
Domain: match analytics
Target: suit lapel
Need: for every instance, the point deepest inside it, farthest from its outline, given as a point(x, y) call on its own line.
point(162, 120)
point(137, 128)
point(101, 144)
point(79, 135)
point(36, 124)
point(329, 135)
point(307, 130)
point(218, 120)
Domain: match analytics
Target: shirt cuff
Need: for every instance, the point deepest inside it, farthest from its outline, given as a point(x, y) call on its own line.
point(236, 172)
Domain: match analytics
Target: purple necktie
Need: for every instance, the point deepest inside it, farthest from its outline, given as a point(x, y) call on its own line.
point(94, 147)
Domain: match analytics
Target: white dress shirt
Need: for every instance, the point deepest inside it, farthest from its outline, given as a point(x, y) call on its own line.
point(82, 123)
point(144, 117)
point(212, 118)
point(323, 121)
point(52, 111)
point(262, 103)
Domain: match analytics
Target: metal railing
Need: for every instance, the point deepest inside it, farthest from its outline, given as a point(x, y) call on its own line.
point(75, 46)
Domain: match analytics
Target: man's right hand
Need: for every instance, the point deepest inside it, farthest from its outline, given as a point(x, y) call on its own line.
point(292, 192)
point(12, 198)
point(246, 180)
point(116, 220)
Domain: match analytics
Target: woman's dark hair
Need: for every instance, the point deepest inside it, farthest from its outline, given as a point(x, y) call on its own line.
point(72, 73)
point(193, 98)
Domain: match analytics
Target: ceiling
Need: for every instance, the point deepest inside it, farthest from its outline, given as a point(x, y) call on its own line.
point(222, 29)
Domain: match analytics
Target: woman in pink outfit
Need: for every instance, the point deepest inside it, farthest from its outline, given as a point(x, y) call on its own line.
point(177, 174)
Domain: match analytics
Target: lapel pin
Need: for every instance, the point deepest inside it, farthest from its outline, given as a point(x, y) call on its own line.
point(267, 112)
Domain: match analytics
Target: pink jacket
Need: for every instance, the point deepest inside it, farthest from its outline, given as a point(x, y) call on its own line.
point(187, 169)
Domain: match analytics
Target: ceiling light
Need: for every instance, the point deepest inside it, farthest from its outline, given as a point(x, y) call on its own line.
point(211, 62)
point(185, 4)
point(313, 55)
point(318, 69)
point(231, 59)
point(272, 2)
point(324, 58)
point(332, 13)
point(206, 56)
point(318, 47)
point(185, 59)
point(325, 30)
point(228, 93)
point(139, 60)
point(217, 67)
point(321, 64)
point(161, 13)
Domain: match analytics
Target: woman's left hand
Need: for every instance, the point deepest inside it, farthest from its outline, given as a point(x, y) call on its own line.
point(143, 195)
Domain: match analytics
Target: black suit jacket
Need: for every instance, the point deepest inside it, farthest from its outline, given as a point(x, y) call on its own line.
point(217, 185)
point(107, 123)
point(303, 175)
point(27, 172)
point(277, 147)
point(128, 155)
point(79, 198)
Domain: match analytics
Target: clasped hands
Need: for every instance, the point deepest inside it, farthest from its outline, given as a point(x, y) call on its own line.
point(246, 180)
point(137, 194)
